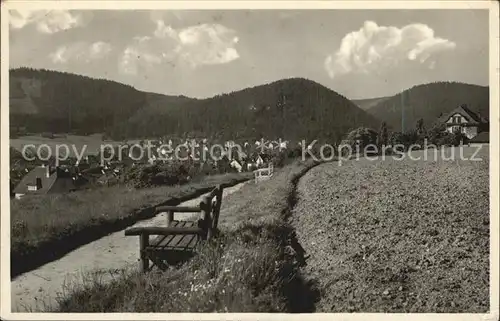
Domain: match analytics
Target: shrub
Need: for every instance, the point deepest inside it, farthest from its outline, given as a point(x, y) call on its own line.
point(406, 139)
point(440, 137)
point(382, 136)
point(362, 136)
point(172, 173)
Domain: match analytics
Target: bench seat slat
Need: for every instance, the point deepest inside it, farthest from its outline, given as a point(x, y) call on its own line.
point(179, 242)
point(183, 242)
point(152, 230)
point(165, 239)
point(157, 240)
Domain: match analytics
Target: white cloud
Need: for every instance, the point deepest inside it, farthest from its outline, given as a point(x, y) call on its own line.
point(133, 57)
point(80, 51)
point(374, 48)
point(46, 21)
point(206, 44)
point(99, 50)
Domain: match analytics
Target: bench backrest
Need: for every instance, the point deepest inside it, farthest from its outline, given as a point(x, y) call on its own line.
point(217, 203)
point(210, 208)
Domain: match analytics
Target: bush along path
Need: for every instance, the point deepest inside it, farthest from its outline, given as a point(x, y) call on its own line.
point(253, 266)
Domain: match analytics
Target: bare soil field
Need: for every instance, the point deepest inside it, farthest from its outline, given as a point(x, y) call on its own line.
point(397, 236)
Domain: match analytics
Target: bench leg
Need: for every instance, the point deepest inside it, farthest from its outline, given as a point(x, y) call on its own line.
point(143, 243)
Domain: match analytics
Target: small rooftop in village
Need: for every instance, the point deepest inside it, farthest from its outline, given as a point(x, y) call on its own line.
point(43, 180)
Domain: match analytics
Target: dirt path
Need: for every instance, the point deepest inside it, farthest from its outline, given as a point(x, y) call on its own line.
point(32, 290)
point(397, 236)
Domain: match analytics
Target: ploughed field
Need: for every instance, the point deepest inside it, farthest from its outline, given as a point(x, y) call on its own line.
point(398, 235)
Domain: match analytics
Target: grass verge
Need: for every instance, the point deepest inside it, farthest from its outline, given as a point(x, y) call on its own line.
point(45, 227)
point(252, 267)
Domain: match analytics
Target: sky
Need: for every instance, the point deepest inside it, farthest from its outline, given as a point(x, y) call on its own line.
point(202, 53)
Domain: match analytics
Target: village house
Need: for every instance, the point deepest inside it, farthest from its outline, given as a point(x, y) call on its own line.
point(259, 160)
point(463, 120)
point(236, 165)
point(44, 180)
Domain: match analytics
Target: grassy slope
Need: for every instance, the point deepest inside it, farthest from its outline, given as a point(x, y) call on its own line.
point(252, 267)
point(39, 221)
point(397, 236)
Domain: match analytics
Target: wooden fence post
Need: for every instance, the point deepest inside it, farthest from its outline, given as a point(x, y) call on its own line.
point(206, 208)
point(143, 244)
point(170, 217)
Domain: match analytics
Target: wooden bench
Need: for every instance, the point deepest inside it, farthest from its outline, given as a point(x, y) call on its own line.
point(263, 173)
point(178, 240)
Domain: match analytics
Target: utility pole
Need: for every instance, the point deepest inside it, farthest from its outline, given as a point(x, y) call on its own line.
point(69, 118)
point(284, 117)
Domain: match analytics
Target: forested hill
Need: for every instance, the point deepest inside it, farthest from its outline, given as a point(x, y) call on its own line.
point(50, 101)
point(429, 102)
point(296, 108)
point(293, 108)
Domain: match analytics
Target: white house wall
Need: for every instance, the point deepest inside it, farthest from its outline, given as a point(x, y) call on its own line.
point(470, 132)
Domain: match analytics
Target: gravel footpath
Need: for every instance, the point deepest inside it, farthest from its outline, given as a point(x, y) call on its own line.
point(397, 236)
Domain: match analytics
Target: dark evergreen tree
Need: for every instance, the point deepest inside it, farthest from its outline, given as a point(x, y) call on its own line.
point(382, 137)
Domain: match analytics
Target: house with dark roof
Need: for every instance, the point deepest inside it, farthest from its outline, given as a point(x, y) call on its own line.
point(463, 120)
point(44, 180)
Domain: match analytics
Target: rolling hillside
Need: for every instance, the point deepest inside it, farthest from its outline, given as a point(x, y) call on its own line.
point(429, 102)
point(293, 108)
point(296, 108)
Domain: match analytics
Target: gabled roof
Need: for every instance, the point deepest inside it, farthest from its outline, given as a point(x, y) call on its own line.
point(472, 117)
point(53, 183)
point(30, 179)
